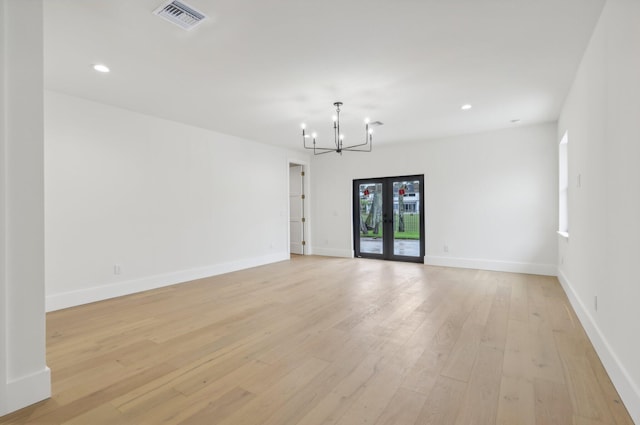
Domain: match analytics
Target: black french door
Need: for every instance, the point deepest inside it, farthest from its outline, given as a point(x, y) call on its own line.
point(388, 218)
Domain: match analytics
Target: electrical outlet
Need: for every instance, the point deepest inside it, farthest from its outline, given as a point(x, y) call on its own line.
point(579, 180)
point(117, 269)
point(445, 248)
point(595, 302)
point(562, 260)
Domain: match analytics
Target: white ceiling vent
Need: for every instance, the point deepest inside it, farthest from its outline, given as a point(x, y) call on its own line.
point(181, 14)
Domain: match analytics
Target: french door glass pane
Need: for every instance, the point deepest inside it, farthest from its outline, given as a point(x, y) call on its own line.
point(371, 218)
point(406, 218)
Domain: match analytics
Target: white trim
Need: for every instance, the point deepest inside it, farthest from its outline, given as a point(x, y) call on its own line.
point(563, 185)
point(103, 292)
point(564, 234)
point(330, 252)
point(627, 389)
point(501, 266)
point(28, 390)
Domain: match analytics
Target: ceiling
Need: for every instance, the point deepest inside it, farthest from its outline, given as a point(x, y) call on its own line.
point(258, 68)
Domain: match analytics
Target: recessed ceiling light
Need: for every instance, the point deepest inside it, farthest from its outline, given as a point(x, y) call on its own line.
point(465, 107)
point(101, 68)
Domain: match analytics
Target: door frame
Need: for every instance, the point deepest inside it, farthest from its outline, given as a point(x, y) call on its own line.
point(306, 205)
point(388, 224)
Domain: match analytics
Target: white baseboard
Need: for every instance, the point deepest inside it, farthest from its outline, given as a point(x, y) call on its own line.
point(628, 389)
point(27, 390)
point(330, 252)
point(500, 266)
point(103, 292)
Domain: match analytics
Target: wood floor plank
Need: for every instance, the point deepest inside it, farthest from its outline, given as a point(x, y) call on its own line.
point(463, 354)
point(67, 405)
point(518, 305)
point(105, 414)
point(312, 393)
point(553, 403)
point(403, 409)
point(586, 394)
point(544, 359)
point(334, 405)
point(580, 420)
point(612, 398)
point(443, 404)
point(319, 340)
point(427, 368)
point(221, 408)
point(495, 329)
point(480, 402)
point(517, 352)
point(371, 403)
point(267, 403)
point(516, 405)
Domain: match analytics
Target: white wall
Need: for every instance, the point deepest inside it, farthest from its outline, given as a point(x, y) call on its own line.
point(491, 197)
point(601, 115)
point(24, 376)
point(165, 201)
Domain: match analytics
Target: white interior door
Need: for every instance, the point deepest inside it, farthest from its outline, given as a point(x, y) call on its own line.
point(296, 209)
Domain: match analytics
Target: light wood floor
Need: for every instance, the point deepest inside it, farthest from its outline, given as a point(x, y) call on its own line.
point(329, 341)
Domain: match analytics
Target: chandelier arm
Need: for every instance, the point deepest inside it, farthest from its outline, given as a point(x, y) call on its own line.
point(314, 147)
point(320, 149)
point(367, 142)
point(325, 151)
point(304, 138)
point(355, 146)
point(304, 143)
point(351, 148)
point(356, 150)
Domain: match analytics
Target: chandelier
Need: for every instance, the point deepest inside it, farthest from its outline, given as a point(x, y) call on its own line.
point(338, 137)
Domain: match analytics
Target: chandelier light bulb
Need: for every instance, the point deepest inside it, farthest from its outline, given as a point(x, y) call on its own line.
point(342, 137)
point(303, 126)
point(334, 118)
point(314, 135)
point(101, 68)
point(371, 131)
point(366, 120)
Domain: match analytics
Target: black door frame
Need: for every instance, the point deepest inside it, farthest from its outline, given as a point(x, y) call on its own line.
point(387, 219)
